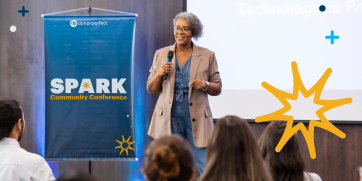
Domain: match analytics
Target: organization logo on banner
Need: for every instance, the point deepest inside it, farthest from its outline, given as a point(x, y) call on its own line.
point(75, 23)
point(102, 86)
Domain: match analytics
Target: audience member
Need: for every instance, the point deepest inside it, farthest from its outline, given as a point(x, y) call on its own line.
point(233, 154)
point(288, 164)
point(15, 162)
point(75, 175)
point(168, 158)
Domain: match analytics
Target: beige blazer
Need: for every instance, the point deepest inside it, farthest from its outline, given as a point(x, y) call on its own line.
point(203, 66)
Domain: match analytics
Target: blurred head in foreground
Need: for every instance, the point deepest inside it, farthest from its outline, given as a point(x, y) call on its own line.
point(288, 164)
point(12, 122)
point(168, 158)
point(233, 154)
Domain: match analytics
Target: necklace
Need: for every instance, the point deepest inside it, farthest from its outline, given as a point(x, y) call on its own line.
point(183, 53)
point(186, 67)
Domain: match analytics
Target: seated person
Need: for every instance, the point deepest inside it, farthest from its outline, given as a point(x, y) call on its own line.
point(168, 158)
point(233, 154)
point(15, 162)
point(288, 164)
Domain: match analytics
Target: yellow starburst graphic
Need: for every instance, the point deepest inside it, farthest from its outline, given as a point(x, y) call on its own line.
point(86, 85)
point(121, 145)
point(307, 133)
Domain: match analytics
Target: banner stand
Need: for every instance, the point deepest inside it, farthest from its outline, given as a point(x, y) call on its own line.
point(89, 67)
point(89, 11)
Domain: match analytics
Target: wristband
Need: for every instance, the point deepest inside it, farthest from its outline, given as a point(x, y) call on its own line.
point(207, 85)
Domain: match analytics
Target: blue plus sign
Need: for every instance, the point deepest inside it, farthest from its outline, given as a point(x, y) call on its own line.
point(332, 37)
point(131, 126)
point(23, 11)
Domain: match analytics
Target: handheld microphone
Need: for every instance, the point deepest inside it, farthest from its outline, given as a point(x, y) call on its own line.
point(169, 59)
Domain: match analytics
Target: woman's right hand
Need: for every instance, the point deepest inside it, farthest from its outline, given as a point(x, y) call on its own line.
point(165, 68)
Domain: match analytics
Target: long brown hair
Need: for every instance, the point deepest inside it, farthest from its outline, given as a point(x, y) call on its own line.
point(233, 154)
point(168, 158)
point(288, 164)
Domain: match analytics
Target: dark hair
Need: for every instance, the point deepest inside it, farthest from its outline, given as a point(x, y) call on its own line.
point(288, 164)
point(233, 154)
point(75, 175)
point(10, 113)
point(168, 158)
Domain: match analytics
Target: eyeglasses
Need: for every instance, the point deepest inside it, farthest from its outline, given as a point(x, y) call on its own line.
point(184, 29)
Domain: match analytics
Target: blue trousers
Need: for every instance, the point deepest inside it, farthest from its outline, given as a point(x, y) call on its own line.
point(181, 125)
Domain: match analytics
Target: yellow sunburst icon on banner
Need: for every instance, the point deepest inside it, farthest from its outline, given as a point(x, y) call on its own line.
point(326, 106)
point(128, 145)
point(86, 85)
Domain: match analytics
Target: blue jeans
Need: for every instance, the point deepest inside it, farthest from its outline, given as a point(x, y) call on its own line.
point(181, 125)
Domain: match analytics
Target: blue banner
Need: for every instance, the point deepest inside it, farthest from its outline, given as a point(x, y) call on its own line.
point(89, 86)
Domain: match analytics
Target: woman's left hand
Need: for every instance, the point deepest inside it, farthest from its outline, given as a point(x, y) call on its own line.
point(198, 84)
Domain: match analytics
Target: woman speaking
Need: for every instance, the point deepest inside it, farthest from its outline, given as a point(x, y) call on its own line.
point(183, 107)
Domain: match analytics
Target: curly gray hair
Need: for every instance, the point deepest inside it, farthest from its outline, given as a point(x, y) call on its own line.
point(193, 21)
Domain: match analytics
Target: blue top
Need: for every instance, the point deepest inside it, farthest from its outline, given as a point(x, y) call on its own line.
point(182, 79)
